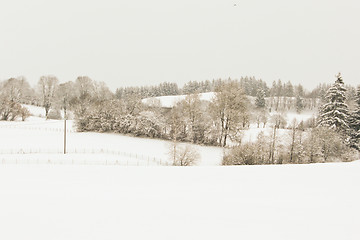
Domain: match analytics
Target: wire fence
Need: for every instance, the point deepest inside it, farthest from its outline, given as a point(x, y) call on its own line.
point(78, 156)
point(36, 127)
point(86, 156)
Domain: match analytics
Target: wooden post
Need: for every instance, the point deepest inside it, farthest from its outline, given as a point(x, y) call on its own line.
point(65, 135)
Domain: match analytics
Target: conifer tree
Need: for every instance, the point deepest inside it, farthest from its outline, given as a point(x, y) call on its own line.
point(354, 123)
point(299, 104)
point(334, 113)
point(260, 99)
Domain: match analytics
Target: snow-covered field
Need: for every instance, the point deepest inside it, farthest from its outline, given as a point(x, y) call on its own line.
point(94, 192)
point(35, 111)
point(72, 202)
point(41, 141)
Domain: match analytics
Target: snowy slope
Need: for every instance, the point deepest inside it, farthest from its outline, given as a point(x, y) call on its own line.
point(170, 101)
point(297, 202)
point(35, 110)
point(40, 137)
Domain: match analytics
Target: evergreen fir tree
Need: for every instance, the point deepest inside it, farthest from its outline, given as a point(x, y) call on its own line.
point(334, 113)
point(299, 104)
point(260, 99)
point(354, 123)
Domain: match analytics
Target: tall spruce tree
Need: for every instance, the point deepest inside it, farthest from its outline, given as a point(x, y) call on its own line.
point(299, 104)
point(354, 123)
point(260, 99)
point(334, 113)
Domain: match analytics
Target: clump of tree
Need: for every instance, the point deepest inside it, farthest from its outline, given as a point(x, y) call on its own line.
point(228, 110)
point(13, 92)
point(333, 137)
point(183, 155)
point(163, 89)
point(317, 145)
point(47, 86)
point(249, 153)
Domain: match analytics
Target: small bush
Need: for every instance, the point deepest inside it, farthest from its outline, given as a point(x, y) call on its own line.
point(54, 114)
point(183, 155)
point(24, 113)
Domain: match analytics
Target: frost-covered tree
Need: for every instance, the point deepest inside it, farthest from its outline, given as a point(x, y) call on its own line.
point(192, 111)
point(354, 123)
point(299, 104)
point(13, 92)
point(84, 94)
point(334, 113)
point(183, 155)
point(278, 121)
point(227, 108)
point(47, 86)
point(289, 89)
point(64, 95)
point(260, 99)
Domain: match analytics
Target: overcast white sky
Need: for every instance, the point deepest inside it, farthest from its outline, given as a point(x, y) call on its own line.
point(138, 42)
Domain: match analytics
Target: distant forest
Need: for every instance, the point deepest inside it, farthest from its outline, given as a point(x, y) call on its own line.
point(250, 85)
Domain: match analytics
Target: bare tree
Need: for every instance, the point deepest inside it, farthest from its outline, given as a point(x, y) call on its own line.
point(192, 111)
point(293, 139)
point(227, 108)
point(13, 92)
point(183, 155)
point(278, 121)
point(47, 86)
point(64, 94)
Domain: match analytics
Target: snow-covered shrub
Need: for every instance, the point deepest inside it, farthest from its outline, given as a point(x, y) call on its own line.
point(327, 145)
point(24, 113)
point(145, 124)
point(183, 155)
point(244, 154)
point(54, 114)
point(10, 111)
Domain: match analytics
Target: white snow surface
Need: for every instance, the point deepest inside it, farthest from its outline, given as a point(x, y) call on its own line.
point(94, 192)
point(35, 110)
point(170, 101)
point(37, 140)
point(306, 115)
point(72, 202)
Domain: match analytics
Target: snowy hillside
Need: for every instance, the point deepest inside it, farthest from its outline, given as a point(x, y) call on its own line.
point(297, 202)
point(170, 101)
point(35, 110)
point(33, 140)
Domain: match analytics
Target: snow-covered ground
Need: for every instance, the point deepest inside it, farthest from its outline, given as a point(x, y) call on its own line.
point(93, 192)
point(41, 141)
point(35, 110)
point(33, 140)
point(306, 115)
point(72, 202)
point(170, 101)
